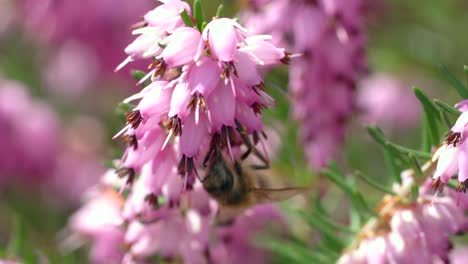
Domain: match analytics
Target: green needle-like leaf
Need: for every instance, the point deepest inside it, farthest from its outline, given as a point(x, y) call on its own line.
point(373, 183)
point(415, 164)
point(431, 115)
point(456, 84)
point(138, 75)
point(186, 18)
point(324, 229)
point(446, 107)
point(446, 120)
point(198, 13)
point(465, 69)
point(338, 179)
point(220, 11)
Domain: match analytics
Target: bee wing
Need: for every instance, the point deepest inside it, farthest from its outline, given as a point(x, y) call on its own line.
point(267, 195)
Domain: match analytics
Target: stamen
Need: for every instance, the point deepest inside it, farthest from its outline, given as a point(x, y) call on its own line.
point(134, 118)
point(152, 199)
point(123, 130)
point(453, 138)
point(438, 185)
point(131, 141)
point(128, 173)
point(148, 75)
point(462, 186)
point(228, 141)
point(125, 62)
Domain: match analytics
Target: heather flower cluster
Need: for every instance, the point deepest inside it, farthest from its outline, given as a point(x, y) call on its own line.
point(202, 99)
point(409, 231)
point(205, 91)
point(330, 36)
point(36, 148)
point(29, 131)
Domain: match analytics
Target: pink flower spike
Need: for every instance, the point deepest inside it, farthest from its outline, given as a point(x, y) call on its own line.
point(222, 37)
point(182, 47)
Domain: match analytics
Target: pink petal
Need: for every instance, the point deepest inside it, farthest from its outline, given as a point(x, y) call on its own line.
point(182, 47)
point(156, 100)
point(463, 162)
point(179, 101)
point(462, 106)
point(248, 118)
point(204, 76)
point(222, 107)
point(263, 51)
point(167, 16)
point(222, 38)
point(193, 135)
point(247, 69)
point(462, 121)
point(447, 164)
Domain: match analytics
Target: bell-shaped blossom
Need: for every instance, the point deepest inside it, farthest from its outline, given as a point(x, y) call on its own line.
point(452, 157)
point(223, 36)
point(181, 46)
point(167, 16)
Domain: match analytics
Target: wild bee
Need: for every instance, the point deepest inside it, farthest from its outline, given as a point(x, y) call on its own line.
point(237, 187)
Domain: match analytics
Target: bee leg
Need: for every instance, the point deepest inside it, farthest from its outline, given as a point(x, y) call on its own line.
point(250, 147)
point(207, 157)
point(265, 166)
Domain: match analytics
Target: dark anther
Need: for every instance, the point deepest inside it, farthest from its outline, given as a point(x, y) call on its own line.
point(258, 108)
point(176, 125)
point(346, 80)
point(228, 68)
point(287, 58)
point(260, 86)
point(128, 173)
point(160, 67)
point(152, 199)
point(438, 185)
point(197, 99)
point(186, 166)
point(312, 2)
point(462, 186)
point(131, 141)
point(453, 138)
point(207, 255)
point(133, 118)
